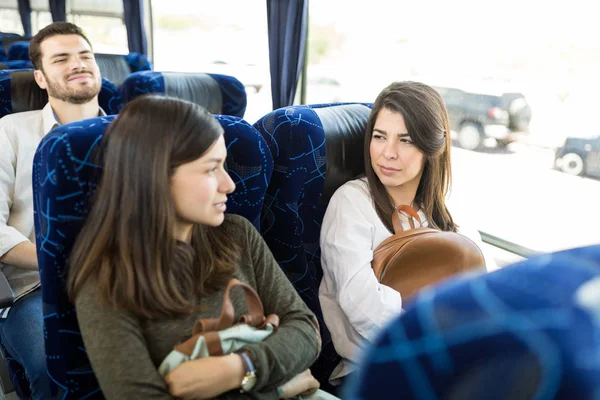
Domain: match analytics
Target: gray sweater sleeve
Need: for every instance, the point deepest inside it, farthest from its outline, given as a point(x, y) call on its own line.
point(296, 344)
point(117, 350)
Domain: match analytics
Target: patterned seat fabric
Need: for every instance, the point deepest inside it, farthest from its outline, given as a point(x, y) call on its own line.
point(528, 331)
point(250, 165)
point(219, 94)
point(64, 178)
point(315, 150)
point(18, 51)
point(138, 62)
point(16, 64)
point(109, 98)
point(19, 92)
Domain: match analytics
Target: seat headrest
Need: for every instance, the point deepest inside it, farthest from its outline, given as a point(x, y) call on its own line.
point(138, 62)
point(234, 95)
point(20, 92)
point(330, 134)
point(10, 38)
point(250, 165)
point(201, 89)
point(529, 330)
point(18, 51)
point(344, 126)
point(113, 67)
point(219, 94)
point(74, 144)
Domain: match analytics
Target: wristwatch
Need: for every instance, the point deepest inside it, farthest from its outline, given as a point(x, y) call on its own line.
point(250, 378)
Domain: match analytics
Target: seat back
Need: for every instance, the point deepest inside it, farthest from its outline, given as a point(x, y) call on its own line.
point(19, 92)
point(526, 331)
point(219, 94)
point(315, 150)
point(64, 178)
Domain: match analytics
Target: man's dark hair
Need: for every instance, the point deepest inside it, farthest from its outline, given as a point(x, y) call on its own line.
point(57, 28)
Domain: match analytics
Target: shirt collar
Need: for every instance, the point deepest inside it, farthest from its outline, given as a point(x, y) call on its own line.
point(50, 120)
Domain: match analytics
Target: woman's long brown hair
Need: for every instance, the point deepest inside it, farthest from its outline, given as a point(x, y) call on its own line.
point(426, 119)
point(127, 245)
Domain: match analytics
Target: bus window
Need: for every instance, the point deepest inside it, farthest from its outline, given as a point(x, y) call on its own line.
point(106, 33)
point(10, 20)
point(523, 125)
point(207, 36)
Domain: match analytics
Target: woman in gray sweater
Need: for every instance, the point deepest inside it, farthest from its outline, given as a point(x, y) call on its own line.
point(155, 255)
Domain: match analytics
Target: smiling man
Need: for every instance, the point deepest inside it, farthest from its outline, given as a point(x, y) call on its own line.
point(65, 67)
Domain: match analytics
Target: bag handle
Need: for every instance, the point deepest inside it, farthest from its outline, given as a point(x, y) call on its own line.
point(210, 327)
point(255, 316)
point(410, 213)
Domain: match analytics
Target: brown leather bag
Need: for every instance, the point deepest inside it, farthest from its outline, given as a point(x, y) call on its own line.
point(412, 259)
point(209, 327)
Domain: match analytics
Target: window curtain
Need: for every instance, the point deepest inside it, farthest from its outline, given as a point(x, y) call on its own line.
point(287, 30)
point(58, 9)
point(134, 23)
point(25, 13)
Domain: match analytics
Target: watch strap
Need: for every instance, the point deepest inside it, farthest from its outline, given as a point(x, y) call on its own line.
point(248, 364)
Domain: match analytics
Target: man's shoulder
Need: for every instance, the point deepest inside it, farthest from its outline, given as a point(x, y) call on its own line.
point(20, 119)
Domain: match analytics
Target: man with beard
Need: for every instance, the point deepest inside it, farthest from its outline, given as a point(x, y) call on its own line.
point(65, 66)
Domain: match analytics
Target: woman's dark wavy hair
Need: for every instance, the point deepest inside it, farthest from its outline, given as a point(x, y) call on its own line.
point(426, 119)
point(127, 245)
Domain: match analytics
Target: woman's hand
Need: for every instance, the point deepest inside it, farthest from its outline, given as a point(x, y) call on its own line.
point(206, 378)
point(302, 384)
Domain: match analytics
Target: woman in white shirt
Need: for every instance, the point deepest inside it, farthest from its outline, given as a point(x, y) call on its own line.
point(407, 161)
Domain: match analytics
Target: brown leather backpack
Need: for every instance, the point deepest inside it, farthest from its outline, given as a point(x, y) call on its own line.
point(412, 259)
point(209, 327)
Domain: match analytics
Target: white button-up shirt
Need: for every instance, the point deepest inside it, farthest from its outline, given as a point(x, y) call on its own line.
point(355, 305)
point(20, 135)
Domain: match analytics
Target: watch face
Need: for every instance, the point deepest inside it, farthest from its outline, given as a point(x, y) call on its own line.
point(249, 381)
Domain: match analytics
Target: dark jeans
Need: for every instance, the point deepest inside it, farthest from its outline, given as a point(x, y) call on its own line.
point(22, 334)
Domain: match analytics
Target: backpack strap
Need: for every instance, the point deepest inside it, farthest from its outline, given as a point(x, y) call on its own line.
point(255, 317)
point(410, 213)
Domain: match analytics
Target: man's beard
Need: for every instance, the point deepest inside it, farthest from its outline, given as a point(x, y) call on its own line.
point(74, 96)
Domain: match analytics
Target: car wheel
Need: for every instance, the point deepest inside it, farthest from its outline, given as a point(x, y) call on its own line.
point(502, 144)
point(572, 163)
point(470, 136)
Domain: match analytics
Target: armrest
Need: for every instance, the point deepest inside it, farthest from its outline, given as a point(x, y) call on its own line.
point(7, 297)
